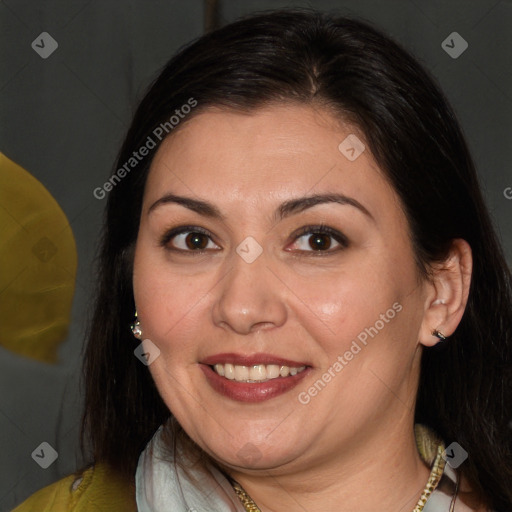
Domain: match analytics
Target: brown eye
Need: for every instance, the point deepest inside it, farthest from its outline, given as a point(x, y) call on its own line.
point(188, 239)
point(319, 241)
point(196, 241)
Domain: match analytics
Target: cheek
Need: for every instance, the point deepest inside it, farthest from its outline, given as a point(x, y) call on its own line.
point(168, 303)
point(368, 315)
point(339, 305)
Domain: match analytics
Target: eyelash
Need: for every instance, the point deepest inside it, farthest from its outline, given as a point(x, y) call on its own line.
point(320, 229)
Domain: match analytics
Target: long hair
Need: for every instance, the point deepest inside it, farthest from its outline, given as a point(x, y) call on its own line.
point(363, 77)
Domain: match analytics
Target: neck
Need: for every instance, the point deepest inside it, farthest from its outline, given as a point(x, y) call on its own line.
point(381, 472)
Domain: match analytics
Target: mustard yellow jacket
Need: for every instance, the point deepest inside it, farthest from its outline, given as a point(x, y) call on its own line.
point(97, 489)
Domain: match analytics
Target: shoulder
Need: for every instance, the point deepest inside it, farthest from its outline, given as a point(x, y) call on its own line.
point(97, 485)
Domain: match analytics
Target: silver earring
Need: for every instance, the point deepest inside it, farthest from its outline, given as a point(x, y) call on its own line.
point(439, 334)
point(135, 327)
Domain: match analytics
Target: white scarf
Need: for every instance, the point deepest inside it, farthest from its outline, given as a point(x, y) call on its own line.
point(162, 486)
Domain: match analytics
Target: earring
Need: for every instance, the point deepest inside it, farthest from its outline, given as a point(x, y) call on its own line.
point(439, 334)
point(135, 327)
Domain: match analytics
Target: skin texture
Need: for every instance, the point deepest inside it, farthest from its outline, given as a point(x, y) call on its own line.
point(293, 302)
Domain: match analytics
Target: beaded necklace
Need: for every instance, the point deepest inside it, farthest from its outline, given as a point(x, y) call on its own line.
point(433, 481)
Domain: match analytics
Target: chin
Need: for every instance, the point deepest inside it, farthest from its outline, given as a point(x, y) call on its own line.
point(249, 456)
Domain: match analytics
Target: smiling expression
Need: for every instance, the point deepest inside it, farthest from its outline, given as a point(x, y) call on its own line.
point(262, 253)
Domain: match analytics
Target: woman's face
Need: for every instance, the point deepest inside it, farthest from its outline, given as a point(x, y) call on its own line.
point(274, 272)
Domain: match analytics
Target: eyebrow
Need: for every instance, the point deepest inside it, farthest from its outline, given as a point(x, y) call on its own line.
point(286, 209)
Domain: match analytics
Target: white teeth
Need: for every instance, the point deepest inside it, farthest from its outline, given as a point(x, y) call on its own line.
point(272, 371)
point(229, 371)
point(241, 373)
point(255, 373)
point(258, 372)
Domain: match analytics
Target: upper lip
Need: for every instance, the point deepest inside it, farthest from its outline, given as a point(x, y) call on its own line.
point(251, 360)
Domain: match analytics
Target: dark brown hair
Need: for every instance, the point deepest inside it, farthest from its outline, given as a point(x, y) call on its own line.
point(353, 69)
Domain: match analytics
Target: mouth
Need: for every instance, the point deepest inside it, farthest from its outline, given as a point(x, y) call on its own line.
point(252, 378)
point(256, 372)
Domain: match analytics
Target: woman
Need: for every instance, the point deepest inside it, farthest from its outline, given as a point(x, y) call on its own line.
point(320, 310)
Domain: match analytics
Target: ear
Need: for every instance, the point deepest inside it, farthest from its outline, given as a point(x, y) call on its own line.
point(447, 294)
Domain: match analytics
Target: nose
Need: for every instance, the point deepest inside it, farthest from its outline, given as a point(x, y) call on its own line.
point(250, 298)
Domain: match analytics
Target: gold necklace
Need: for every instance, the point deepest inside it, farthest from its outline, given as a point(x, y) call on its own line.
point(246, 500)
point(433, 480)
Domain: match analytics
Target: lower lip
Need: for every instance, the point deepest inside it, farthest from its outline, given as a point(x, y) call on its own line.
point(248, 391)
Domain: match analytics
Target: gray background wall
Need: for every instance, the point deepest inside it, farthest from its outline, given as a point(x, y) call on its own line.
point(63, 119)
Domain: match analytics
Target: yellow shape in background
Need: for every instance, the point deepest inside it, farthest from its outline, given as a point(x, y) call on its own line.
point(38, 262)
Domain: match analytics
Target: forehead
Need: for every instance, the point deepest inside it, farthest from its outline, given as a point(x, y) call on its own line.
point(270, 154)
